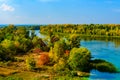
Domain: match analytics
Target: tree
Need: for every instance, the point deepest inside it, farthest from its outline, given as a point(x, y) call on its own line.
point(25, 44)
point(79, 59)
point(9, 46)
point(57, 51)
point(4, 54)
point(74, 41)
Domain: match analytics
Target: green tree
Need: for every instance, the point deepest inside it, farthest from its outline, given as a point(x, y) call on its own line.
point(9, 46)
point(4, 54)
point(57, 51)
point(79, 59)
point(74, 41)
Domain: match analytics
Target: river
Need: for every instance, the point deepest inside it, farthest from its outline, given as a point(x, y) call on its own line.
point(101, 49)
point(106, 51)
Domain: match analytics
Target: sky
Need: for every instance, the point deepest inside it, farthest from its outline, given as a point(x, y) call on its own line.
point(59, 11)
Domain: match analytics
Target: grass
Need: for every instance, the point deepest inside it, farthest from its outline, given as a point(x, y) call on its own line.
point(69, 78)
point(6, 72)
point(27, 75)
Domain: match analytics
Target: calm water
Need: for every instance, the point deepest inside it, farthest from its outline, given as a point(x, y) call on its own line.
point(101, 50)
point(107, 51)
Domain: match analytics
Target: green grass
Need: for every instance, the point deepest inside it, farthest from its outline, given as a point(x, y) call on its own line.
point(26, 75)
point(69, 78)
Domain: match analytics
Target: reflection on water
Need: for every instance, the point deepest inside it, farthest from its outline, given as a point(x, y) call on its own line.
point(106, 51)
point(96, 75)
point(37, 33)
point(116, 41)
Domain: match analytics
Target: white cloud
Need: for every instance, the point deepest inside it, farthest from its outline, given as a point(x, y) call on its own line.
point(6, 7)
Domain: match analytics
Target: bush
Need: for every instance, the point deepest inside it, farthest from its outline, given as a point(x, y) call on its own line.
point(74, 41)
point(79, 59)
point(60, 66)
point(4, 55)
point(30, 63)
point(57, 52)
point(103, 66)
point(44, 59)
point(37, 50)
point(67, 52)
point(9, 47)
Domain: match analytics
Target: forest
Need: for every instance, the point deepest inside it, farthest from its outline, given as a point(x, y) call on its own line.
point(93, 30)
point(54, 57)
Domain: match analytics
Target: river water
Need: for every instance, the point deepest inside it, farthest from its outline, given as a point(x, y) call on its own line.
point(106, 50)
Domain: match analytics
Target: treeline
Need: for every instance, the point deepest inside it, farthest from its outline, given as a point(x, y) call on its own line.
point(83, 29)
point(28, 27)
point(31, 27)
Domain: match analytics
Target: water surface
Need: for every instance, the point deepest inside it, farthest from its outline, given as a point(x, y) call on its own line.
point(106, 51)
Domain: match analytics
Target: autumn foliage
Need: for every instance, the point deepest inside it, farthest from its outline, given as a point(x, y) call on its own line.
point(37, 50)
point(44, 59)
point(67, 52)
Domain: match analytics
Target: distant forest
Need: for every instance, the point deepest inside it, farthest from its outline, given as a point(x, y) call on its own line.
point(100, 30)
point(94, 30)
point(27, 26)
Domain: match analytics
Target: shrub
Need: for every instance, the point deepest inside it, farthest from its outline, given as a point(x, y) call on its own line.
point(51, 54)
point(103, 66)
point(74, 41)
point(9, 46)
point(30, 63)
point(37, 50)
point(67, 52)
point(5, 55)
point(79, 59)
point(60, 66)
point(57, 52)
point(44, 59)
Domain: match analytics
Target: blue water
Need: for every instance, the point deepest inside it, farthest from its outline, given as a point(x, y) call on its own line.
point(37, 32)
point(107, 51)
